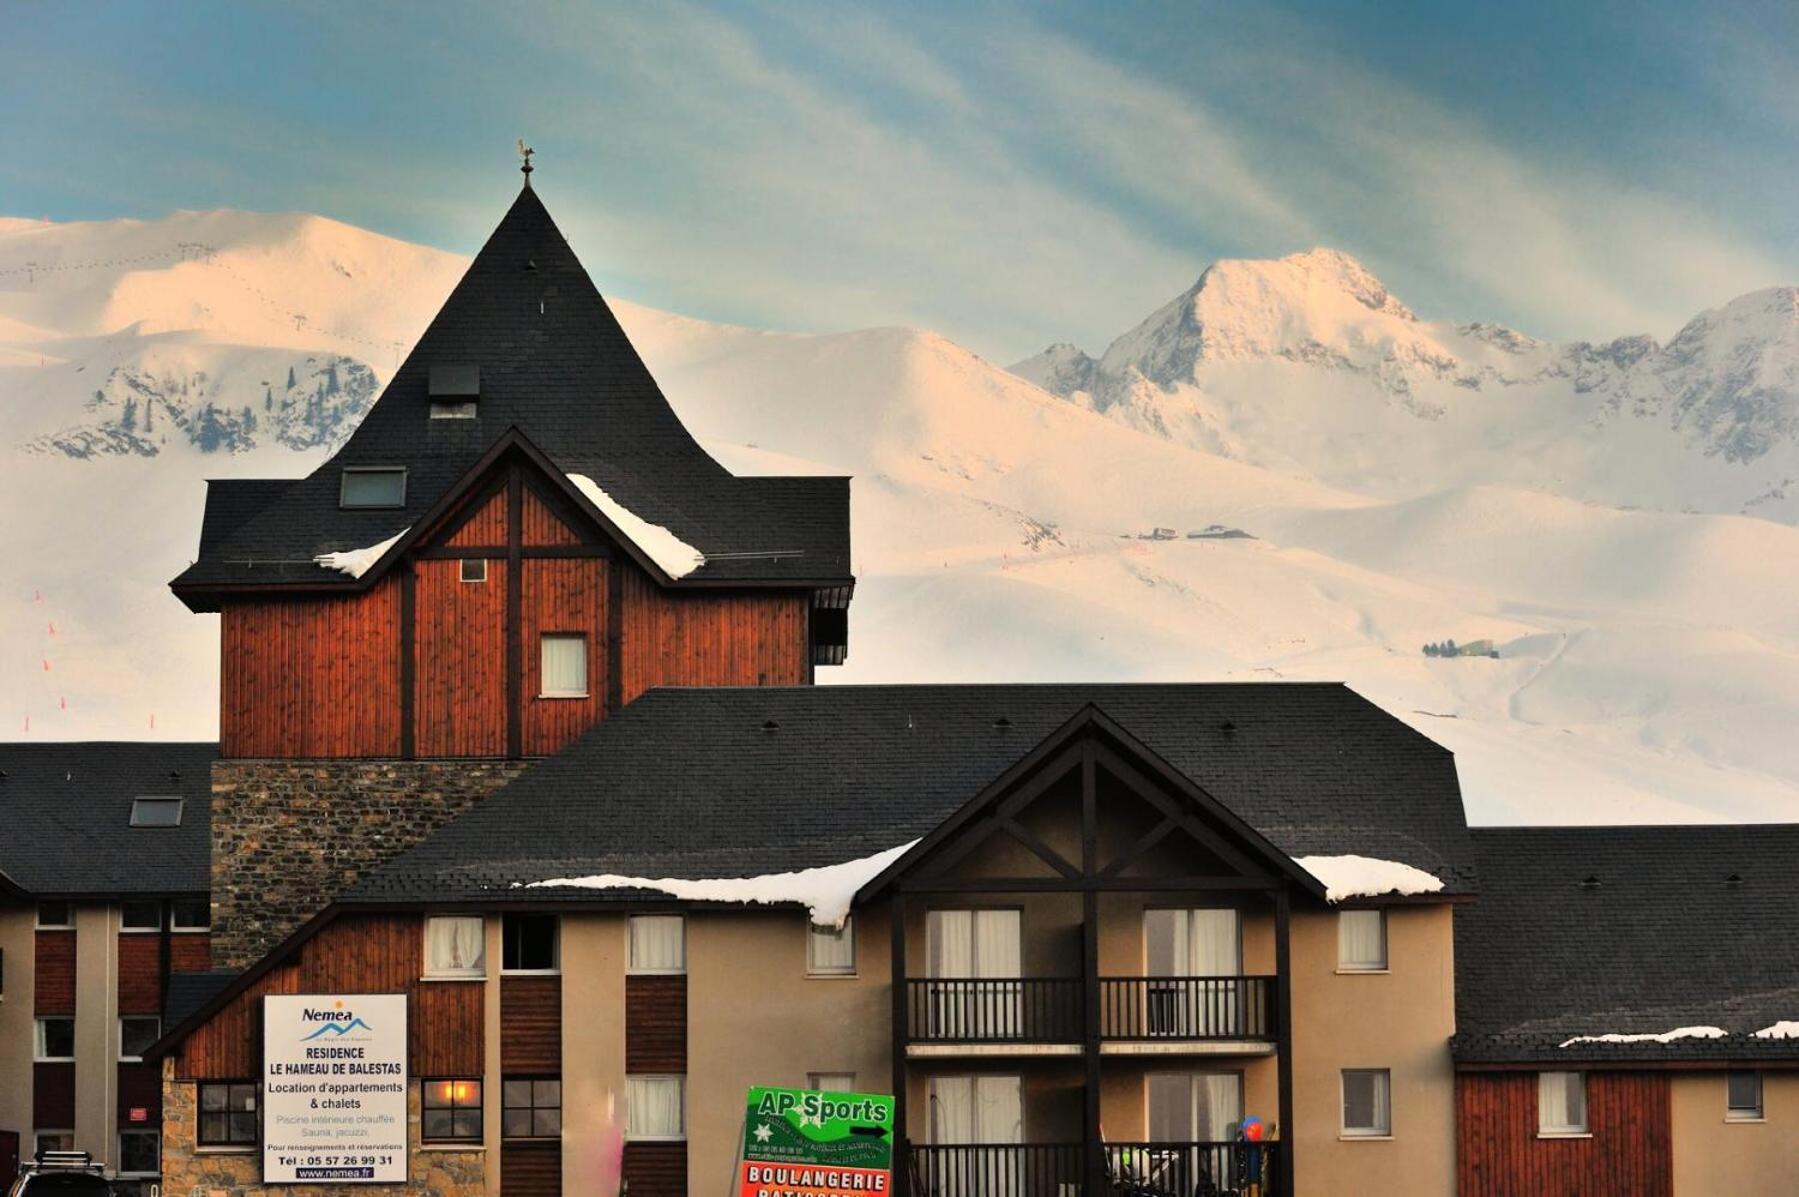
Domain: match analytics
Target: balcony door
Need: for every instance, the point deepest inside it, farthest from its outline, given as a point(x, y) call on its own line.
point(1193, 1117)
point(974, 959)
point(1193, 958)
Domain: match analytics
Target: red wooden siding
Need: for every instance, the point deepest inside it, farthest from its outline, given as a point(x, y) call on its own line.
point(140, 974)
point(461, 635)
point(356, 954)
point(531, 1169)
point(530, 1025)
point(140, 1088)
point(55, 973)
point(702, 638)
point(311, 677)
point(52, 1097)
point(562, 595)
point(655, 1024)
point(486, 528)
point(190, 952)
point(542, 526)
point(1499, 1154)
point(656, 1169)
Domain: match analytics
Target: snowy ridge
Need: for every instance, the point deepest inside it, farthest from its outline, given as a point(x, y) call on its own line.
point(357, 562)
point(1675, 1035)
point(1785, 1029)
point(1346, 877)
point(673, 555)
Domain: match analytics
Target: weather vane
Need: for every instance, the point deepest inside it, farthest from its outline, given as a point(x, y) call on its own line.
point(525, 152)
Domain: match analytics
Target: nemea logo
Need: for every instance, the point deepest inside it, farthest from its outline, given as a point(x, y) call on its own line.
point(338, 1015)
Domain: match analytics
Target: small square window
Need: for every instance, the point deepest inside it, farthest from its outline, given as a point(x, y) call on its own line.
point(452, 1111)
point(55, 916)
point(46, 1141)
point(831, 951)
point(1362, 941)
point(140, 1153)
point(228, 1114)
point(1561, 1103)
point(372, 486)
point(655, 1107)
point(831, 1082)
point(136, 1034)
point(455, 946)
point(140, 915)
point(1743, 1096)
point(528, 943)
point(474, 569)
point(156, 812)
point(191, 914)
point(1367, 1102)
point(658, 943)
point(55, 1039)
point(564, 658)
point(531, 1107)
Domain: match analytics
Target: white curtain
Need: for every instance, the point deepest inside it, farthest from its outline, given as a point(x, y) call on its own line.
point(455, 947)
point(658, 943)
point(564, 664)
point(831, 949)
point(1205, 943)
point(1367, 1102)
point(976, 1109)
point(975, 944)
point(1200, 1107)
point(653, 1107)
point(1361, 939)
point(1561, 1101)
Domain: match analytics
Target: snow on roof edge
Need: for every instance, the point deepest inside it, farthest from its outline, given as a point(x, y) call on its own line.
point(1663, 1037)
point(675, 556)
point(357, 562)
point(1345, 877)
point(1784, 1029)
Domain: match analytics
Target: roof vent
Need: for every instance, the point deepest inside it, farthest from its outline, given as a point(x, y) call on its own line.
point(769, 726)
point(530, 263)
point(1591, 881)
point(1002, 723)
point(1227, 727)
point(911, 723)
point(1734, 881)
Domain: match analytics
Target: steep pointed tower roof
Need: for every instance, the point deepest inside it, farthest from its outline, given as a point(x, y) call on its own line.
point(528, 351)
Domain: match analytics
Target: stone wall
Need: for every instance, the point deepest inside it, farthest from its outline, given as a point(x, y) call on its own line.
point(189, 1172)
point(290, 835)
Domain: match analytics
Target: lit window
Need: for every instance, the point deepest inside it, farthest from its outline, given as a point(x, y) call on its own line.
point(528, 944)
point(156, 812)
point(140, 916)
point(658, 943)
point(1362, 941)
point(531, 1107)
point(53, 1140)
point(831, 1082)
point(455, 946)
point(655, 1107)
point(55, 1039)
point(191, 914)
point(452, 1111)
point(1561, 1103)
point(1367, 1102)
point(454, 389)
point(1743, 1096)
point(474, 569)
point(453, 411)
point(227, 1114)
point(564, 665)
point(55, 916)
point(140, 1153)
point(136, 1034)
point(831, 951)
point(372, 487)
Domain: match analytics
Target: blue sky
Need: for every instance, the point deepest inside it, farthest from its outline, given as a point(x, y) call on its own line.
point(1009, 174)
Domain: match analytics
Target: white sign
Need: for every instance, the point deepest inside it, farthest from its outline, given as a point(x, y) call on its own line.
point(334, 1088)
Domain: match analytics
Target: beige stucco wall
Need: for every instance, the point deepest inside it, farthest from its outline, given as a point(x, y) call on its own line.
point(593, 1042)
point(1714, 1157)
point(96, 1030)
point(18, 943)
point(1399, 1020)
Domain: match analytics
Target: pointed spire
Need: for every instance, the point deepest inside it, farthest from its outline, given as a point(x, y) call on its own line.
point(525, 152)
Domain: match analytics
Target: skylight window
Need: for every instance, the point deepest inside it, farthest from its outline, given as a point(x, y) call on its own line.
point(454, 391)
point(156, 812)
point(373, 486)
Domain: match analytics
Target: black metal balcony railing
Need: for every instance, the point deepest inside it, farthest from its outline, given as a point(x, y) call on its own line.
point(1050, 1009)
point(1059, 1170)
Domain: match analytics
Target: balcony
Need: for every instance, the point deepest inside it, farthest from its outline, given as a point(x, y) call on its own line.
point(1049, 1013)
point(1129, 1170)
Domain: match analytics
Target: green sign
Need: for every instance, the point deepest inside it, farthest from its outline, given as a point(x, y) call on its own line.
point(806, 1141)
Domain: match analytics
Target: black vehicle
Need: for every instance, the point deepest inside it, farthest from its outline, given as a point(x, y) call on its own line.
point(62, 1174)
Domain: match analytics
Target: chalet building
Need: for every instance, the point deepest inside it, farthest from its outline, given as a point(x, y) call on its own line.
point(103, 903)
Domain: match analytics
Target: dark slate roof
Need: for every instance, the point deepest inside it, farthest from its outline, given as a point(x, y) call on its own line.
point(555, 364)
point(190, 991)
point(687, 783)
point(66, 812)
point(1662, 941)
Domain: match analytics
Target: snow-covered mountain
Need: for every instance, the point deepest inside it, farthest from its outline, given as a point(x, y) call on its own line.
point(1648, 660)
point(1308, 365)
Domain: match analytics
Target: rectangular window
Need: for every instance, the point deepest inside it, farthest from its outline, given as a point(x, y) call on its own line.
point(53, 1140)
point(191, 914)
point(976, 1109)
point(453, 410)
point(1193, 958)
point(452, 1110)
point(655, 1107)
point(455, 946)
point(965, 950)
point(140, 916)
point(156, 812)
point(531, 1107)
point(474, 569)
point(1743, 1099)
point(564, 659)
point(136, 1034)
point(831, 951)
point(529, 944)
point(55, 916)
point(831, 1082)
point(228, 1114)
point(1362, 941)
point(1367, 1102)
point(658, 943)
point(1194, 1107)
point(55, 1039)
point(1561, 1103)
point(381, 486)
point(140, 1153)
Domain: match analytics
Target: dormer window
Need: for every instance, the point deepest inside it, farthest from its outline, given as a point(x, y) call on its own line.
point(455, 392)
point(373, 486)
point(156, 812)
